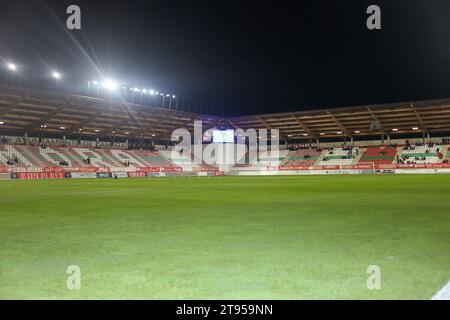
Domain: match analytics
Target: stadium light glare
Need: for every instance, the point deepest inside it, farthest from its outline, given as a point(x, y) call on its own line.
point(357, 131)
point(152, 92)
point(62, 128)
point(95, 83)
point(415, 128)
point(289, 135)
point(109, 85)
point(167, 95)
point(56, 75)
point(96, 130)
point(305, 134)
point(339, 132)
point(153, 135)
point(173, 96)
point(1, 123)
point(395, 129)
point(43, 126)
point(144, 91)
point(322, 133)
point(162, 94)
point(12, 66)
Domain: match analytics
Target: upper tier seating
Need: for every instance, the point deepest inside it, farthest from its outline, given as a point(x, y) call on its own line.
point(338, 156)
point(35, 156)
point(379, 155)
point(302, 157)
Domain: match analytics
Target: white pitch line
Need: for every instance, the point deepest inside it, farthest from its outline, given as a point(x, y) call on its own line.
point(443, 294)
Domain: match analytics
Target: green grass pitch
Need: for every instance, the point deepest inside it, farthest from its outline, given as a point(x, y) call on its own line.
point(305, 237)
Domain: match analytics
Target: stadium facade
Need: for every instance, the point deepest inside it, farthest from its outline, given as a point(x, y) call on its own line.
point(48, 134)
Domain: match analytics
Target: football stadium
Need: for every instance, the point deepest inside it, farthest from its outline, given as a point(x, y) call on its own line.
point(99, 183)
point(110, 190)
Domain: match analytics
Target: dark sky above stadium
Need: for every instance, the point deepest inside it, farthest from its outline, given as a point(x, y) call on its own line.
point(252, 57)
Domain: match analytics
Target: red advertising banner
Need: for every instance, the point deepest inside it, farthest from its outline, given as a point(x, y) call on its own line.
point(208, 169)
point(148, 169)
point(137, 174)
point(39, 175)
point(293, 168)
point(172, 169)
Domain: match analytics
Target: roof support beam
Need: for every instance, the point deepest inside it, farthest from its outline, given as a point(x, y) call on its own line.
point(231, 124)
point(37, 124)
point(374, 117)
point(11, 106)
point(419, 118)
point(338, 123)
point(264, 123)
point(303, 126)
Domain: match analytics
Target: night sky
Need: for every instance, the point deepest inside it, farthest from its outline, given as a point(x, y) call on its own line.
point(252, 57)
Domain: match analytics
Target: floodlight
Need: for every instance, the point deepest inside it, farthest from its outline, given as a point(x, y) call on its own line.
point(12, 66)
point(56, 75)
point(1, 123)
point(415, 128)
point(110, 85)
point(152, 92)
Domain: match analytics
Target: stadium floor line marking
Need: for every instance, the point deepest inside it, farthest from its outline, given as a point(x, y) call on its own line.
point(443, 294)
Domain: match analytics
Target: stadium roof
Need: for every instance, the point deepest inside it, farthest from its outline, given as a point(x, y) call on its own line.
point(25, 110)
point(432, 116)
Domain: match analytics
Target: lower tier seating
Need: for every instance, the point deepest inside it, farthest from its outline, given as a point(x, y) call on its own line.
point(379, 155)
point(302, 157)
point(36, 156)
point(338, 156)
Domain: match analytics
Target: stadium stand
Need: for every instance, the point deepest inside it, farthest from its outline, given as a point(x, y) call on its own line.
point(419, 154)
point(302, 157)
point(338, 156)
point(379, 155)
point(37, 156)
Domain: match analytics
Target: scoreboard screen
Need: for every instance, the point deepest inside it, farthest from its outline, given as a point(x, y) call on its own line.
point(223, 136)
